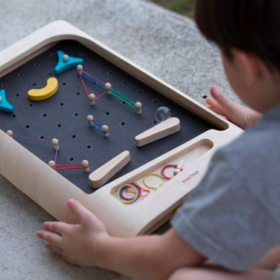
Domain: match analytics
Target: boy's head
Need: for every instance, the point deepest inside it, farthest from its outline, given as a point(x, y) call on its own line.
point(248, 35)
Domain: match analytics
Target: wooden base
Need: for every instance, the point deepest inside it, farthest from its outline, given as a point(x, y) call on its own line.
point(51, 190)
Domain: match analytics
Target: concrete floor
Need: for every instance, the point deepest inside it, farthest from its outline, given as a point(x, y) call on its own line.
point(164, 43)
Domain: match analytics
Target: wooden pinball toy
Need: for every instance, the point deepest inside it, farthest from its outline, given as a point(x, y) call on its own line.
point(60, 92)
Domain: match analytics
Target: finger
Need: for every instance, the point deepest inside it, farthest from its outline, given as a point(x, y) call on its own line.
point(55, 249)
point(222, 100)
point(214, 109)
point(56, 227)
point(48, 245)
point(69, 260)
point(85, 217)
point(214, 91)
point(79, 210)
point(52, 238)
point(212, 102)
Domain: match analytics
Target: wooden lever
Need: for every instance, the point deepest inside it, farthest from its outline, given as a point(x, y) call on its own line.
point(157, 132)
point(104, 173)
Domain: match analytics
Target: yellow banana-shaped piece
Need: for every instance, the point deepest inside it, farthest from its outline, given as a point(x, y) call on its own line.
point(44, 93)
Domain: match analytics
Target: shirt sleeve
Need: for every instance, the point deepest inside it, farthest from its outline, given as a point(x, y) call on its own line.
point(223, 220)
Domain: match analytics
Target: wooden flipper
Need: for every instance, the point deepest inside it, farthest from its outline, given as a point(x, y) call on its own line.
point(157, 132)
point(104, 173)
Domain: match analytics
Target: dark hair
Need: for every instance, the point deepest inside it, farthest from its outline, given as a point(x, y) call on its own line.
point(248, 25)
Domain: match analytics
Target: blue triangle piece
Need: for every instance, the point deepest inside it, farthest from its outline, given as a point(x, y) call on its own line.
point(62, 65)
point(5, 106)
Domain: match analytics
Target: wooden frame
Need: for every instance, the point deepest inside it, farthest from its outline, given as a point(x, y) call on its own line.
point(51, 190)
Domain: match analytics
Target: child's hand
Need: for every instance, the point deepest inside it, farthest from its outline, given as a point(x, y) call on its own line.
point(77, 243)
point(237, 114)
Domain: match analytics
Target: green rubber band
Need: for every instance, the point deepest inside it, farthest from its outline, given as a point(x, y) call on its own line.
point(124, 100)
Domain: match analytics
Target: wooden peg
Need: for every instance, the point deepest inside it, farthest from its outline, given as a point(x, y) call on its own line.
point(104, 173)
point(80, 68)
point(108, 86)
point(55, 143)
point(65, 57)
point(91, 98)
point(157, 132)
point(90, 119)
point(52, 164)
point(105, 129)
point(179, 168)
point(10, 133)
point(85, 164)
point(138, 106)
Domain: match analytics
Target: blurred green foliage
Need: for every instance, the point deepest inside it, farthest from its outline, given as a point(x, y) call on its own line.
point(183, 7)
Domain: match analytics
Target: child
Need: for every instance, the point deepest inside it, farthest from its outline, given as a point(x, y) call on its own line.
point(232, 217)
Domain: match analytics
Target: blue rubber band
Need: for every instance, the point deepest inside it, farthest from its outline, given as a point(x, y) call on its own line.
point(93, 80)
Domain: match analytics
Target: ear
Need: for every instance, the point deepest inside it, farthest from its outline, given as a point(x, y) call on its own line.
point(250, 65)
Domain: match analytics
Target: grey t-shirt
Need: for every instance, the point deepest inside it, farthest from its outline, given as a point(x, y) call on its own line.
point(233, 215)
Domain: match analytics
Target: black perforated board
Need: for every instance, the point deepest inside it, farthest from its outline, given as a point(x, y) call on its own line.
point(64, 115)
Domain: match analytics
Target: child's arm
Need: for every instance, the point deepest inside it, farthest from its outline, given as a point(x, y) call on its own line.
point(88, 244)
point(148, 257)
point(236, 113)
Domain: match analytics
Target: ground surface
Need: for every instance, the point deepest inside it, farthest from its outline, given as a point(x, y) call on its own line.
point(164, 43)
point(184, 7)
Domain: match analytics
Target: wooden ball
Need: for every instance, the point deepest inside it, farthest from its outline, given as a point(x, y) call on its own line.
point(105, 128)
point(55, 142)
point(52, 164)
point(90, 118)
point(85, 163)
point(65, 57)
point(176, 171)
point(108, 86)
point(80, 67)
point(91, 97)
point(10, 133)
point(138, 105)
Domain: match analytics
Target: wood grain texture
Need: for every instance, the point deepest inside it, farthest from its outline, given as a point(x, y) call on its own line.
point(157, 132)
point(104, 173)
